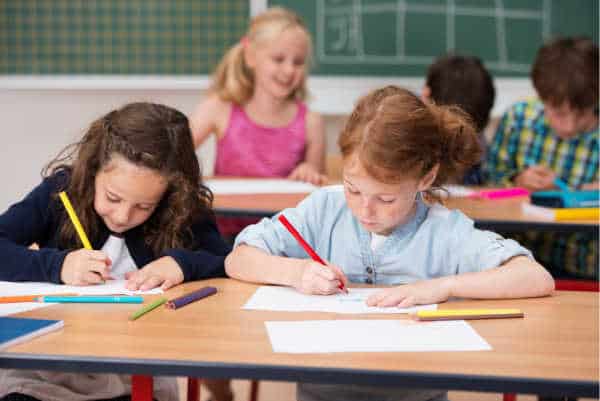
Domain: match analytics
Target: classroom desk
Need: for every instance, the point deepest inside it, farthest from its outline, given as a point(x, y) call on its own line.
point(495, 215)
point(553, 350)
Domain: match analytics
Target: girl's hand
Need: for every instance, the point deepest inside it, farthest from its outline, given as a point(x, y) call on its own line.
point(536, 178)
point(85, 267)
point(407, 295)
point(318, 279)
point(163, 272)
point(307, 173)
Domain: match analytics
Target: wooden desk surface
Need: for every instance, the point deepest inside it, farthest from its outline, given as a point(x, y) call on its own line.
point(499, 215)
point(554, 349)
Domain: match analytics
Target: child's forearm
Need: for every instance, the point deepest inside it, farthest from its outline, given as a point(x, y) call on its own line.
point(252, 264)
point(520, 277)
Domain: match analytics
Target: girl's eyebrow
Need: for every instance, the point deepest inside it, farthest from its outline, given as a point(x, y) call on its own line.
point(143, 203)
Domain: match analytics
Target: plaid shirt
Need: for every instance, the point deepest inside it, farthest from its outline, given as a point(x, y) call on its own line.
point(525, 138)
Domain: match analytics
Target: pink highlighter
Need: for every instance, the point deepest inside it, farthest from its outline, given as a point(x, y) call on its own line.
point(500, 193)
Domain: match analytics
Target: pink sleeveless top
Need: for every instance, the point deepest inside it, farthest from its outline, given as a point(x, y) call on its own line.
point(251, 150)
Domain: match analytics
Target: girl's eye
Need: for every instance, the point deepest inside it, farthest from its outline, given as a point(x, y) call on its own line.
point(299, 62)
point(145, 208)
point(387, 200)
point(112, 199)
point(352, 190)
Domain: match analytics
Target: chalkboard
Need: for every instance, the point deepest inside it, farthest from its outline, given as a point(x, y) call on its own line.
point(118, 36)
point(402, 37)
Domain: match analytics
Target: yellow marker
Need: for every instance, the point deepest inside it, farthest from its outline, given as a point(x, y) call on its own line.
point(591, 213)
point(75, 220)
point(461, 314)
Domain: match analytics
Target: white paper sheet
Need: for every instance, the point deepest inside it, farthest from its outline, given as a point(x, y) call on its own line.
point(289, 300)
point(456, 191)
point(12, 308)
point(324, 336)
point(116, 287)
point(8, 288)
point(254, 186)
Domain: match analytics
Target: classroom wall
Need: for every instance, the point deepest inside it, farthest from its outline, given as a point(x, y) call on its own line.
point(42, 116)
point(37, 124)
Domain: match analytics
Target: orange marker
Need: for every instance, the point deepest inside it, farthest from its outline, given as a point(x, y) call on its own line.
point(27, 298)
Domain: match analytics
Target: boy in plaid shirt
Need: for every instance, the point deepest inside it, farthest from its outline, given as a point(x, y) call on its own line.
point(555, 136)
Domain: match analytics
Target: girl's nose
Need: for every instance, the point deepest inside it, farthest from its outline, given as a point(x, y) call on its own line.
point(121, 216)
point(367, 207)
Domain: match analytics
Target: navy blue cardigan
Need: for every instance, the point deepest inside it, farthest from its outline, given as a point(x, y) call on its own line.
point(35, 220)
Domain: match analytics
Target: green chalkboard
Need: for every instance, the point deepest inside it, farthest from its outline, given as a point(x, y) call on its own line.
point(118, 36)
point(402, 37)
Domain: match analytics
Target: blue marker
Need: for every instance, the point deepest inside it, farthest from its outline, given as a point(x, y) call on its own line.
point(111, 299)
point(560, 184)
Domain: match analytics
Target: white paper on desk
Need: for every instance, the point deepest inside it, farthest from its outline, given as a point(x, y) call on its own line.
point(323, 336)
point(9, 288)
point(287, 299)
point(12, 308)
point(117, 287)
point(254, 186)
point(456, 191)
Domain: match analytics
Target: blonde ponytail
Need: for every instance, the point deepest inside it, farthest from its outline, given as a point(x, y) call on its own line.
point(233, 81)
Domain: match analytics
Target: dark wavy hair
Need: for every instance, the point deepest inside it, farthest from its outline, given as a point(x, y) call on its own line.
point(148, 135)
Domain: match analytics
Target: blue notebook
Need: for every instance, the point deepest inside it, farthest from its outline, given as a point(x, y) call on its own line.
point(14, 330)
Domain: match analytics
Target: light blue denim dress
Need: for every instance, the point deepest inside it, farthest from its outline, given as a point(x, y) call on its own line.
point(436, 242)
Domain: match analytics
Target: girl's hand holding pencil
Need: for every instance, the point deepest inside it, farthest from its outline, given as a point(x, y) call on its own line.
point(315, 278)
point(85, 267)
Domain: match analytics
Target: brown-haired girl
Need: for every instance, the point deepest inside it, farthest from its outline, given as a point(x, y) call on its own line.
point(135, 183)
point(384, 226)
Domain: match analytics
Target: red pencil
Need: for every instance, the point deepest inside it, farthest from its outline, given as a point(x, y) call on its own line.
point(304, 244)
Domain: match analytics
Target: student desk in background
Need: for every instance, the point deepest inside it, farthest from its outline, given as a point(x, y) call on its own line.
point(495, 215)
point(553, 350)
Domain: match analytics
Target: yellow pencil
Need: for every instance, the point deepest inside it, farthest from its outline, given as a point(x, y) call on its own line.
point(463, 314)
point(75, 220)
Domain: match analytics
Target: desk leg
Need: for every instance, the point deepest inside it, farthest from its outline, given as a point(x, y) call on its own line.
point(141, 388)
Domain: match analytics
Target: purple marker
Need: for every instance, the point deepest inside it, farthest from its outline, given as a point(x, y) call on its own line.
point(191, 297)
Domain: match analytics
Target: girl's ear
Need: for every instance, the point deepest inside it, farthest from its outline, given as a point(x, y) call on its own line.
point(249, 55)
point(428, 179)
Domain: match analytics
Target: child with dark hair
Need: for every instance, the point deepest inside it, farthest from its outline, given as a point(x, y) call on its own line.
point(384, 226)
point(135, 183)
point(555, 136)
point(463, 81)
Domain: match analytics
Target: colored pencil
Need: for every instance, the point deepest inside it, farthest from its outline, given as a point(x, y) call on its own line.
point(94, 299)
point(145, 309)
point(560, 184)
point(75, 220)
point(464, 314)
point(28, 298)
point(304, 244)
point(193, 296)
